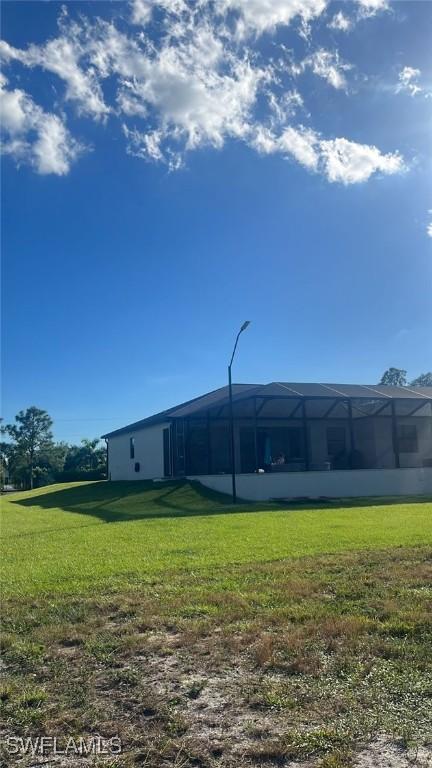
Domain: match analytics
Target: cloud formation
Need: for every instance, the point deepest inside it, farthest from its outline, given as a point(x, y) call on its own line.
point(408, 81)
point(339, 160)
point(199, 81)
point(369, 8)
point(327, 64)
point(35, 137)
point(62, 56)
point(259, 16)
point(351, 163)
point(340, 22)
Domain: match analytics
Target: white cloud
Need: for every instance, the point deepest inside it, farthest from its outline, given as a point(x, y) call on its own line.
point(53, 149)
point(258, 16)
point(429, 226)
point(375, 5)
point(326, 64)
point(285, 106)
point(408, 78)
point(350, 163)
point(197, 91)
point(371, 7)
point(299, 143)
point(61, 56)
point(339, 160)
point(264, 141)
point(14, 109)
point(141, 11)
point(33, 136)
point(128, 103)
point(145, 145)
point(366, 9)
point(340, 22)
point(197, 84)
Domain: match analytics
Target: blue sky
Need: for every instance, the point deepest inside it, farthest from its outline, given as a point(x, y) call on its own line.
point(173, 169)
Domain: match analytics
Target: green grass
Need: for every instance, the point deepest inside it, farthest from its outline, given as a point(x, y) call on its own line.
point(78, 537)
point(207, 635)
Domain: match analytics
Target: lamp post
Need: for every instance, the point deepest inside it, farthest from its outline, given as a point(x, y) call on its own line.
point(233, 469)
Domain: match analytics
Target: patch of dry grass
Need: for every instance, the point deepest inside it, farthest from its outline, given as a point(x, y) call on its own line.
point(252, 665)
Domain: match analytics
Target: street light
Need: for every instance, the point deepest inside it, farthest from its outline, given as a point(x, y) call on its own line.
point(233, 470)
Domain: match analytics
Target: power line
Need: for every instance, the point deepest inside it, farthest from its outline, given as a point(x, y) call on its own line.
point(86, 418)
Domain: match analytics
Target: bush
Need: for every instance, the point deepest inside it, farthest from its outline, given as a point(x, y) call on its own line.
point(77, 475)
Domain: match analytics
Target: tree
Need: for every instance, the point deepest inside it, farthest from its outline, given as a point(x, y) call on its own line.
point(31, 436)
point(394, 377)
point(87, 457)
point(424, 380)
point(5, 458)
point(50, 463)
point(94, 454)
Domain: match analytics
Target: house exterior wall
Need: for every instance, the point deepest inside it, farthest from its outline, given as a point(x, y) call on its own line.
point(148, 452)
point(377, 440)
point(373, 441)
point(317, 430)
point(424, 440)
point(335, 483)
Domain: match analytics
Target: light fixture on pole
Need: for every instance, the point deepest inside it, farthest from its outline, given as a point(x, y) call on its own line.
point(233, 469)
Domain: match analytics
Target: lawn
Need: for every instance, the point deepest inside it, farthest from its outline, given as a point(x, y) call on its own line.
point(207, 635)
point(78, 537)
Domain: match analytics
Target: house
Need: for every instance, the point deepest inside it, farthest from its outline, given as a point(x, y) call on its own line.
point(290, 440)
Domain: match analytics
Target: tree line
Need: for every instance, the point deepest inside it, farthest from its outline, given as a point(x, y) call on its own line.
point(30, 458)
point(398, 377)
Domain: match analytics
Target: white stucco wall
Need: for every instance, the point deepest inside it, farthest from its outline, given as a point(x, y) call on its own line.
point(335, 483)
point(148, 452)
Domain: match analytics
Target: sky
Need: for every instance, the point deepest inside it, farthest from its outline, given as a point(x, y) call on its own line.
point(171, 169)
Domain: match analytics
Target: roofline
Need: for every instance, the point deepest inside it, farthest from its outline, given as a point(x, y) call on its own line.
point(159, 417)
point(167, 415)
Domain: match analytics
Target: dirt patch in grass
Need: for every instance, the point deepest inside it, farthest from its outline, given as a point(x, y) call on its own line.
point(322, 662)
point(391, 754)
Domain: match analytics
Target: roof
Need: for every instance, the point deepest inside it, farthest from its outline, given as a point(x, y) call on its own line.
point(289, 390)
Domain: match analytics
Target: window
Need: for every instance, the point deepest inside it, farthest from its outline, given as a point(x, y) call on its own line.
point(336, 441)
point(132, 447)
point(408, 438)
point(137, 466)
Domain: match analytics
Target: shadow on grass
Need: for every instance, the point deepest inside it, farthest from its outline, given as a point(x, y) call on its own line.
point(113, 502)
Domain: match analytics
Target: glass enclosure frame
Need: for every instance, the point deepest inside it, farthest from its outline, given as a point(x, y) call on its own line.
point(286, 434)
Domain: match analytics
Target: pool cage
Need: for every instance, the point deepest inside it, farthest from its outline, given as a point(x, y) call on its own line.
point(283, 427)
